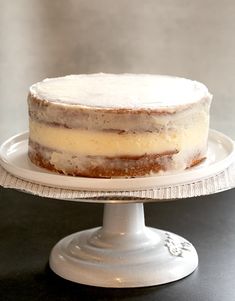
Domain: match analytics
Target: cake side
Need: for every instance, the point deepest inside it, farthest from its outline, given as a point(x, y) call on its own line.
point(118, 141)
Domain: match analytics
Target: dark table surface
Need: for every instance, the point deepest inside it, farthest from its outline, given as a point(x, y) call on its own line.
point(30, 226)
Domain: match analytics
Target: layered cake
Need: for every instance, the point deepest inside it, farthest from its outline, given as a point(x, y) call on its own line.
point(108, 125)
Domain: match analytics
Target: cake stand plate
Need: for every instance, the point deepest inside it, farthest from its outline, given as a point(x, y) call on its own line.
point(14, 159)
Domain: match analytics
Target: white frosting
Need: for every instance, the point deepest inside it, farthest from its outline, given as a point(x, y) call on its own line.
point(121, 90)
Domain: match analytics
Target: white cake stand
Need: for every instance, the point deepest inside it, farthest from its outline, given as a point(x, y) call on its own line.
point(123, 252)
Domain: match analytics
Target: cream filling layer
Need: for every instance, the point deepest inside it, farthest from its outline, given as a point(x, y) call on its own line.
point(111, 144)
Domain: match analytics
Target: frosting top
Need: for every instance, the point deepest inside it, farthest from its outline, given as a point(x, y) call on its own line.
point(129, 91)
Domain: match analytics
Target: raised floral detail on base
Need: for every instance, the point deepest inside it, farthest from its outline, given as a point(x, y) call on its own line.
point(177, 247)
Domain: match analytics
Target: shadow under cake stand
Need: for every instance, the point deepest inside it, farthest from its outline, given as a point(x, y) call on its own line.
point(123, 252)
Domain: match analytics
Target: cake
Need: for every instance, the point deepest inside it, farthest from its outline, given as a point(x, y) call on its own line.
point(118, 125)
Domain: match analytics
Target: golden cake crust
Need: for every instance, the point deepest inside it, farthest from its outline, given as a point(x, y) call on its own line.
point(112, 167)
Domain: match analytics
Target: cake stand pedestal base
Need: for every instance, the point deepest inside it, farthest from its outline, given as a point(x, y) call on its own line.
point(123, 252)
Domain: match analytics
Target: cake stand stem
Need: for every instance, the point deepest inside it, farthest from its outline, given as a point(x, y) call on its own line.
point(123, 219)
point(123, 252)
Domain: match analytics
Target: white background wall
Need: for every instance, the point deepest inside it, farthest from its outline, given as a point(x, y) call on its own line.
point(41, 38)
